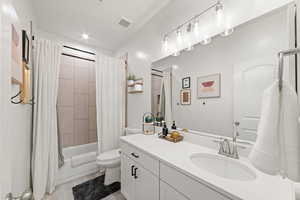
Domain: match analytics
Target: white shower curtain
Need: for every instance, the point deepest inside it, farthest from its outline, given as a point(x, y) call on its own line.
point(45, 145)
point(165, 104)
point(110, 92)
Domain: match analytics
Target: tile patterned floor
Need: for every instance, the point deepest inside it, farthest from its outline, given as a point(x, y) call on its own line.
point(64, 192)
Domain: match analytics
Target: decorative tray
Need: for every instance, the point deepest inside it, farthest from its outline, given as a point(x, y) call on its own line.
point(170, 139)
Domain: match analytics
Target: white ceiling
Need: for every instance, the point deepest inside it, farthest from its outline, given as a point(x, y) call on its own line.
point(71, 18)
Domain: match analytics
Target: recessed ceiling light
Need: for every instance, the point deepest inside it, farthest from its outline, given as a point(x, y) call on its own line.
point(141, 55)
point(175, 67)
point(85, 36)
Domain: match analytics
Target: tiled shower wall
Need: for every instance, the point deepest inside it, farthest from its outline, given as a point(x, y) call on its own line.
point(77, 102)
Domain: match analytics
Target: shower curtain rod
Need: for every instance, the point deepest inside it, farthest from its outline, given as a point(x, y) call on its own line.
point(156, 70)
point(75, 49)
point(281, 56)
point(156, 75)
point(83, 51)
point(65, 54)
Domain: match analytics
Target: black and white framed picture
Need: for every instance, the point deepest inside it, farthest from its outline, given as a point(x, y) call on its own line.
point(25, 47)
point(186, 83)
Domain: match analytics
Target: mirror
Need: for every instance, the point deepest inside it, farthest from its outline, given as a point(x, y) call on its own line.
point(218, 84)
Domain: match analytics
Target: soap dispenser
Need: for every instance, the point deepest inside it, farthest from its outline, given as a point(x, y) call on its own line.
point(165, 130)
point(174, 126)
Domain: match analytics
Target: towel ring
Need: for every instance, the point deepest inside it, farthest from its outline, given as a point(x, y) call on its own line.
point(281, 56)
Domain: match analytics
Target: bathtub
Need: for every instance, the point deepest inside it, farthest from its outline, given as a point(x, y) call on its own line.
point(80, 161)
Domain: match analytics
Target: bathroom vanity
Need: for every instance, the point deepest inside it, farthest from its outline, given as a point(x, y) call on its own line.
point(153, 169)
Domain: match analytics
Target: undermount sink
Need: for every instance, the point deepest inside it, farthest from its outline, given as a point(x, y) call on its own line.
point(223, 167)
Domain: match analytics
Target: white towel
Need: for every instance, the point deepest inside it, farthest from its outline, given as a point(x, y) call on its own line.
point(277, 149)
point(297, 191)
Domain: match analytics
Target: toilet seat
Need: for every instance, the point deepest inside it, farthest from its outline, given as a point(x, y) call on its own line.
point(109, 158)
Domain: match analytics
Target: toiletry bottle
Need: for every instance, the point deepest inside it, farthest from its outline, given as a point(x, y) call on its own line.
point(174, 126)
point(165, 130)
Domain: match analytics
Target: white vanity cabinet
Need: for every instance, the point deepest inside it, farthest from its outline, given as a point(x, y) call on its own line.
point(146, 178)
point(138, 182)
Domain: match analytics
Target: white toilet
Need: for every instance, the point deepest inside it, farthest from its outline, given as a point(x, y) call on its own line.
point(111, 162)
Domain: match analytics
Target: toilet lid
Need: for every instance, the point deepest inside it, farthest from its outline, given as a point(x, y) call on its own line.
point(109, 155)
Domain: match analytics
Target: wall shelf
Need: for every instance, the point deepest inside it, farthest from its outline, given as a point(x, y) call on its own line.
point(135, 92)
point(136, 87)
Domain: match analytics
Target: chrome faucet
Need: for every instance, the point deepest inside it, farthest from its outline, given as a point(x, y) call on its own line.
point(230, 150)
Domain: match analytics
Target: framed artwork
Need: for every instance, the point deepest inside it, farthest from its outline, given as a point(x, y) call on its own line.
point(209, 86)
point(16, 59)
point(185, 97)
point(25, 47)
point(186, 83)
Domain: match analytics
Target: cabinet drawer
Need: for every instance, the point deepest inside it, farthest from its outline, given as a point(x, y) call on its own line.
point(168, 193)
point(187, 186)
point(142, 158)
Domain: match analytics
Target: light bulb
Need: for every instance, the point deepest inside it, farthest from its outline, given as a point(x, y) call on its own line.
point(165, 43)
point(196, 28)
point(206, 41)
point(179, 36)
point(219, 10)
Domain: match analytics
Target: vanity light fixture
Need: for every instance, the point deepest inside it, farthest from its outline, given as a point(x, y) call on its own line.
point(192, 26)
point(227, 32)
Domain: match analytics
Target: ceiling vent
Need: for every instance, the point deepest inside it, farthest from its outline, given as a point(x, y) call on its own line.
point(124, 22)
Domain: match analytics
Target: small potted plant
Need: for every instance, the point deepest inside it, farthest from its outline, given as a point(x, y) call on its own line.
point(130, 80)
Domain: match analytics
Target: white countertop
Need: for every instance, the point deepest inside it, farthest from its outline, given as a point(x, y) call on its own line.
point(265, 187)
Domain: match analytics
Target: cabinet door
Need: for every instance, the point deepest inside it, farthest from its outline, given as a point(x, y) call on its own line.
point(146, 185)
point(127, 179)
point(168, 193)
